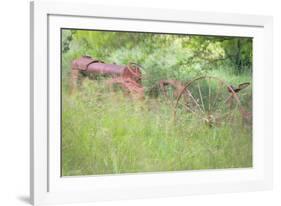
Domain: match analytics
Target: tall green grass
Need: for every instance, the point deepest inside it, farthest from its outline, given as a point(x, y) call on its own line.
point(109, 133)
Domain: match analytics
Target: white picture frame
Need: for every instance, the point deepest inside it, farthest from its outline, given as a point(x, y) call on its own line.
point(47, 186)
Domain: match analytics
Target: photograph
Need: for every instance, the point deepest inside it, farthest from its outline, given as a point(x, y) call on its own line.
point(143, 102)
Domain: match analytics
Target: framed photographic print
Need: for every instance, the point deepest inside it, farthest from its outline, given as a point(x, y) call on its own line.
point(126, 105)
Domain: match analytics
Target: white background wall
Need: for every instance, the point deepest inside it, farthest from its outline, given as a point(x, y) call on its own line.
point(14, 100)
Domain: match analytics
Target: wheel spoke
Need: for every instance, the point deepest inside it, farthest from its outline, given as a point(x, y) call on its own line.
point(195, 102)
point(188, 108)
point(199, 88)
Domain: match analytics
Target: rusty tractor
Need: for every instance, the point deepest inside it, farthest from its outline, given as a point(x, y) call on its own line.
point(209, 99)
point(127, 76)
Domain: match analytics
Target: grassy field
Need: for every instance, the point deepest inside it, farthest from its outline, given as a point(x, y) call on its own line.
point(105, 132)
point(109, 133)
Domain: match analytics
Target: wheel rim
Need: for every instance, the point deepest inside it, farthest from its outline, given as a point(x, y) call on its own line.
point(210, 100)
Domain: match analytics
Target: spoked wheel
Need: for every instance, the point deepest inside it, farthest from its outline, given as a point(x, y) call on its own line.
point(208, 100)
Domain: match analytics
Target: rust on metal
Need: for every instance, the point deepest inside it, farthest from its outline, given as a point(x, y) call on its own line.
point(108, 69)
point(133, 88)
point(239, 88)
point(83, 62)
point(88, 64)
point(128, 76)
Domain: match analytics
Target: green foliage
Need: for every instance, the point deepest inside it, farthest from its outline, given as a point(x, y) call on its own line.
point(161, 56)
point(200, 53)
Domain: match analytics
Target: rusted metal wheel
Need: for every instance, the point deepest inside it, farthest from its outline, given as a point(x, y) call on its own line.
point(209, 100)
